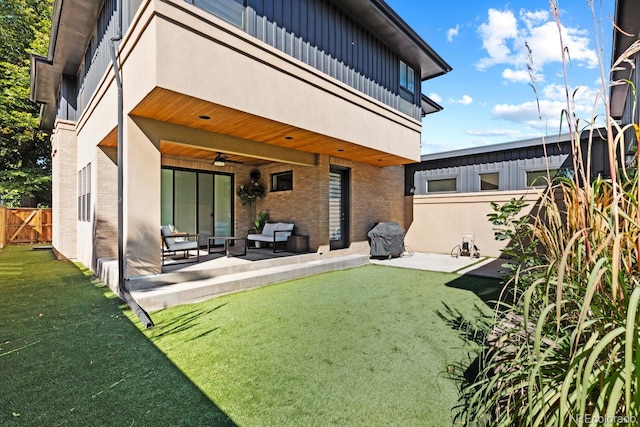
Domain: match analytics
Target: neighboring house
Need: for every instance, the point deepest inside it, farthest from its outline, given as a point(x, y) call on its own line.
point(623, 98)
point(517, 165)
point(320, 98)
point(450, 193)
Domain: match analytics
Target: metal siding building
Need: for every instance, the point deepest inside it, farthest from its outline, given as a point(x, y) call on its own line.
point(513, 162)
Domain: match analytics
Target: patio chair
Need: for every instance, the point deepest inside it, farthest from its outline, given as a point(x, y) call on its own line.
point(173, 242)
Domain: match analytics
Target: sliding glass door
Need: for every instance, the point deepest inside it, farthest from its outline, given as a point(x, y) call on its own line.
point(197, 202)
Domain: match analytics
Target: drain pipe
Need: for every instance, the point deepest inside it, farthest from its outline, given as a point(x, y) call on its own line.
point(122, 288)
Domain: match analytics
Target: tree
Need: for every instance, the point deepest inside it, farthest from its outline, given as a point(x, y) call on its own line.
point(25, 159)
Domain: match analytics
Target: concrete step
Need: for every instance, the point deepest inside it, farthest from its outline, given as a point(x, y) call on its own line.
point(219, 267)
point(167, 295)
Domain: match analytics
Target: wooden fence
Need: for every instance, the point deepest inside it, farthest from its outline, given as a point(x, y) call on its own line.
point(24, 225)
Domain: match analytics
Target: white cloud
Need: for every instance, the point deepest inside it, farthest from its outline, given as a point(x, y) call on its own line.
point(453, 32)
point(504, 36)
point(531, 18)
point(434, 96)
point(439, 146)
point(552, 103)
point(511, 134)
point(501, 27)
point(465, 100)
point(517, 76)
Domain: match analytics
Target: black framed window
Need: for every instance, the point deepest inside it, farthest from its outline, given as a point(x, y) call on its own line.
point(282, 181)
point(407, 78)
point(489, 181)
point(442, 185)
point(84, 193)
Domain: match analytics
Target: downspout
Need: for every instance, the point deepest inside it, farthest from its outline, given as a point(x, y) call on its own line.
point(122, 288)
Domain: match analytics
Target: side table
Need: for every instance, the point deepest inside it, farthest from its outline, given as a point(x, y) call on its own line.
point(241, 240)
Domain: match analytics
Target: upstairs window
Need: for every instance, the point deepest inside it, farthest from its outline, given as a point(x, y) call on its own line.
point(231, 11)
point(407, 77)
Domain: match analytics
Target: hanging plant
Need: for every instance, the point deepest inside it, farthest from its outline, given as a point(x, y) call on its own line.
point(251, 192)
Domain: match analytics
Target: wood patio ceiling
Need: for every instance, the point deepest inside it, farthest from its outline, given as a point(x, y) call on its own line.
point(171, 107)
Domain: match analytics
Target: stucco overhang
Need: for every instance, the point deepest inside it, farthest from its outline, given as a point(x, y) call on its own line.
point(627, 18)
point(381, 20)
point(71, 29)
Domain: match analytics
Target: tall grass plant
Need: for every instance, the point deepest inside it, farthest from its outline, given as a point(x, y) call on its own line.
point(564, 349)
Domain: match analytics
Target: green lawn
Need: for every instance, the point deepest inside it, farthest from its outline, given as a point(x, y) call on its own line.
point(68, 356)
point(368, 346)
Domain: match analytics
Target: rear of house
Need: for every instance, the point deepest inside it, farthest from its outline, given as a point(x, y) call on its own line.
point(318, 100)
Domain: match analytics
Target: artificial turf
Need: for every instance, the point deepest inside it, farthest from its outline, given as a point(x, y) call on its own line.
point(68, 355)
point(374, 345)
point(368, 346)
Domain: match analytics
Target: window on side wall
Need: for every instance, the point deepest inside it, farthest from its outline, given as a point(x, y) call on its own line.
point(489, 181)
point(442, 185)
point(84, 193)
point(539, 178)
point(282, 181)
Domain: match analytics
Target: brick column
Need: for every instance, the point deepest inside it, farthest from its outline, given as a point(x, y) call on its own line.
point(64, 189)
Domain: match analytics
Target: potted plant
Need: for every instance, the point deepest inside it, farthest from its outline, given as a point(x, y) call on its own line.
point(261, 220)
point(251, 192)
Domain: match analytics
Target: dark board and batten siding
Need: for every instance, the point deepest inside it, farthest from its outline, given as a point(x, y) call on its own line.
point(316, 32)
point(320, 34)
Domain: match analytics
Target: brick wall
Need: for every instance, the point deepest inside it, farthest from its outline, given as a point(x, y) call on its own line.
point(64, 189)
point(376, 195)
point(105, 207)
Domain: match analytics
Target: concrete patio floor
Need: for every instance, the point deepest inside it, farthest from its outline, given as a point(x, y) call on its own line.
point(483, 266)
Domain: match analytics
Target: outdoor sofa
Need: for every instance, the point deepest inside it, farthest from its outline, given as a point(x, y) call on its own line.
point(273, 233)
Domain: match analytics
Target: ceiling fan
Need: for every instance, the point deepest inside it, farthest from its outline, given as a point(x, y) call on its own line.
point(221, 159)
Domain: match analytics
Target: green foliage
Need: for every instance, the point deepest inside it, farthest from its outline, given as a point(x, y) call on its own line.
point(24, 150)
point(566, 350)
point(261, 220)
point(513, 226)
point(251, 192)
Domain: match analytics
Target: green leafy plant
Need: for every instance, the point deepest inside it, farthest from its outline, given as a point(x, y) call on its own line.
point(261, 220)
point(514, 227)
point(251, 192)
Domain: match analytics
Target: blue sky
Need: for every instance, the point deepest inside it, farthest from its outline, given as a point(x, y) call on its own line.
point(488, 98)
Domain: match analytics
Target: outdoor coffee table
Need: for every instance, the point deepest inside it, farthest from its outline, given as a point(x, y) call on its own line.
point(226, 248)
